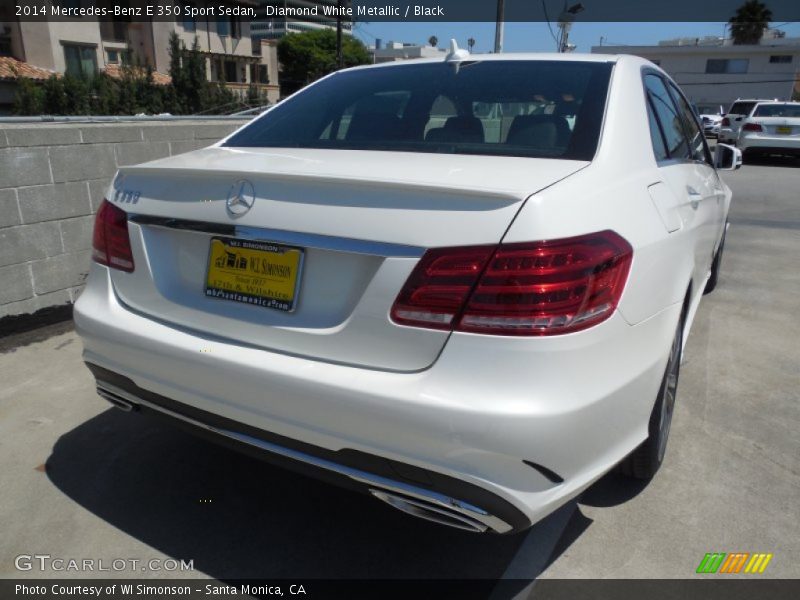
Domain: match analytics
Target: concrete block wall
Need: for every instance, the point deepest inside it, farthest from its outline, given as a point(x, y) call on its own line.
point(52, 179)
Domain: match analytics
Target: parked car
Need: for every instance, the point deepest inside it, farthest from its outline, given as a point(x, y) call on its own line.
point(732, 120)
point(470, 330)
point(710, 116)
point(771, 128)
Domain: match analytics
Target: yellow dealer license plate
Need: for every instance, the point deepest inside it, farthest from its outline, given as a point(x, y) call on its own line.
point(783, 129)
point(258, 273)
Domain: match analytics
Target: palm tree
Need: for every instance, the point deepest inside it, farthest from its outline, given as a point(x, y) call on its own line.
point(471, 43)
point(433, 40)
point(749, 22)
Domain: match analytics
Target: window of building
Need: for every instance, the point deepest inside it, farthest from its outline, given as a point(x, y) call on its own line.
point(81, 60)
point(258, 74)
point(186, 20)
point(231, 26)
point(5, 44)
point(727, 65)
point(230, 71)
point(780, 59)
point(112, 57)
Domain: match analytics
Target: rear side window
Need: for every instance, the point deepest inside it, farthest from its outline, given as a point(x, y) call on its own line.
point(668, 116)
point(777, 110)
point(547, 109)
point(741, 108)
point(697, 141)
point(656, 136)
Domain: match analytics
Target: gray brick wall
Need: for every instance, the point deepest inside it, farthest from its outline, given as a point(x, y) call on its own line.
point(52, 179)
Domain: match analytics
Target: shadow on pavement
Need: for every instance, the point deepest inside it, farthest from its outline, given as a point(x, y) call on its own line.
point(612, 489)
point(238, 517)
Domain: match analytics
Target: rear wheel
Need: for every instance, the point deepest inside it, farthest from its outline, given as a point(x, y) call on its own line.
point(644, 462)
point(711, 284)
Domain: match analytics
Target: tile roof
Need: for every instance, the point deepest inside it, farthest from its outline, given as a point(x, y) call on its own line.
point(11, 68)
point(115, 71)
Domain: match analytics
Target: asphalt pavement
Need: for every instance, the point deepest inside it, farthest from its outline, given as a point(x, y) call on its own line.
point(83, 480)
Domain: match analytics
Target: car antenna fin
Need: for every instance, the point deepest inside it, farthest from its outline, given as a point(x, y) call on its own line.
point(456, 53)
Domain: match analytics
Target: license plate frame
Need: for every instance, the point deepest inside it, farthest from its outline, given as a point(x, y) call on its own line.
point(249, 284)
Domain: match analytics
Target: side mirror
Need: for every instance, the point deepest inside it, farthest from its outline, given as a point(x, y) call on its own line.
point(727, 158)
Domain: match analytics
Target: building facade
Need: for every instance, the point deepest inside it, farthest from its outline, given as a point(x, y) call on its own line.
point(395, 51)
point(86, 46)
point(715, 71)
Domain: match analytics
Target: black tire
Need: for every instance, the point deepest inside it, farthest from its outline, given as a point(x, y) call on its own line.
point(644, 462)
point(713, 279)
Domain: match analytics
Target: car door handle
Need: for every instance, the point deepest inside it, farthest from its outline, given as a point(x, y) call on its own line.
point(694, 196)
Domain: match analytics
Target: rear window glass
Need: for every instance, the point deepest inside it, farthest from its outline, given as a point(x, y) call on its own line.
point(551, 109)
point(777, 110)
point(741, 108)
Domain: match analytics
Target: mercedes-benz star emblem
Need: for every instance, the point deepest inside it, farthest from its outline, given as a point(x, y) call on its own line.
point(241, 198)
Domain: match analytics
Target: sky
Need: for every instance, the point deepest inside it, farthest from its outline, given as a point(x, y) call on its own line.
point(536, 37)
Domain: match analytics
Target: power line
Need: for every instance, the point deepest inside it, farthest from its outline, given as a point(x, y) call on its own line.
point(549, 26)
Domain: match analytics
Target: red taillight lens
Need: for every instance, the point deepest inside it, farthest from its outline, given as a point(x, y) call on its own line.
point(111, 245)
point(726, 122)
point(539, 288)
point(439, 285)
point(752, 127)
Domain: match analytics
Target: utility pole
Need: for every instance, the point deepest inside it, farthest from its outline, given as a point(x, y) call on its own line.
point(565, 21)
point(498, 32)
point(339, 53)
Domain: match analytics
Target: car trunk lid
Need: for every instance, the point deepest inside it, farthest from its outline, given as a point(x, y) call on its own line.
point(360, 220)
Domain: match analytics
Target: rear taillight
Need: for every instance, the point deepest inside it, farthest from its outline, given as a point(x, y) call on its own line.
point(111, 244)
point(752, 127)
point(726, 122)
point(538, 288)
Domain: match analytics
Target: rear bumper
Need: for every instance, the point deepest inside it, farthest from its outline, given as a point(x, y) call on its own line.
point(769, 144)
point(521, 425)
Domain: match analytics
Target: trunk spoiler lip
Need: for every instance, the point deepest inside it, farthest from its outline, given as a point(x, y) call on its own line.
point(501, 191)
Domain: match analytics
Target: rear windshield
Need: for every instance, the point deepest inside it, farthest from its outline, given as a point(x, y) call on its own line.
point(551, 109)
point(741, 108)
point(777, 110)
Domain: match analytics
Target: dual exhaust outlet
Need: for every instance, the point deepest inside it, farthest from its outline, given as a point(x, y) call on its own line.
point(409, 499)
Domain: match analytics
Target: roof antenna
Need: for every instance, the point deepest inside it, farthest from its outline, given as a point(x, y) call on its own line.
point(456, 53)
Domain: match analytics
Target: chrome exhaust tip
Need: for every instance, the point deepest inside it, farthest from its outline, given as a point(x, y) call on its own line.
point(430, 512)
point(116, 400)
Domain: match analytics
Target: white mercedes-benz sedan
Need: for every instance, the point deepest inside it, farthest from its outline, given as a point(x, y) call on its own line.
point(772, 128)
point(462, 285)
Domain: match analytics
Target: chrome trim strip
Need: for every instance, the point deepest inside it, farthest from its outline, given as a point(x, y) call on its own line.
point(289, 238)
point(447, 503)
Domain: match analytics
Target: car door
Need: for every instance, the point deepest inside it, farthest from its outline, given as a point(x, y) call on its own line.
point(713, 208)
point(685, 166)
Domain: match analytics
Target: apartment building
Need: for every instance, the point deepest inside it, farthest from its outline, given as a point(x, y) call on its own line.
point(712, 70)
point(86, 46)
